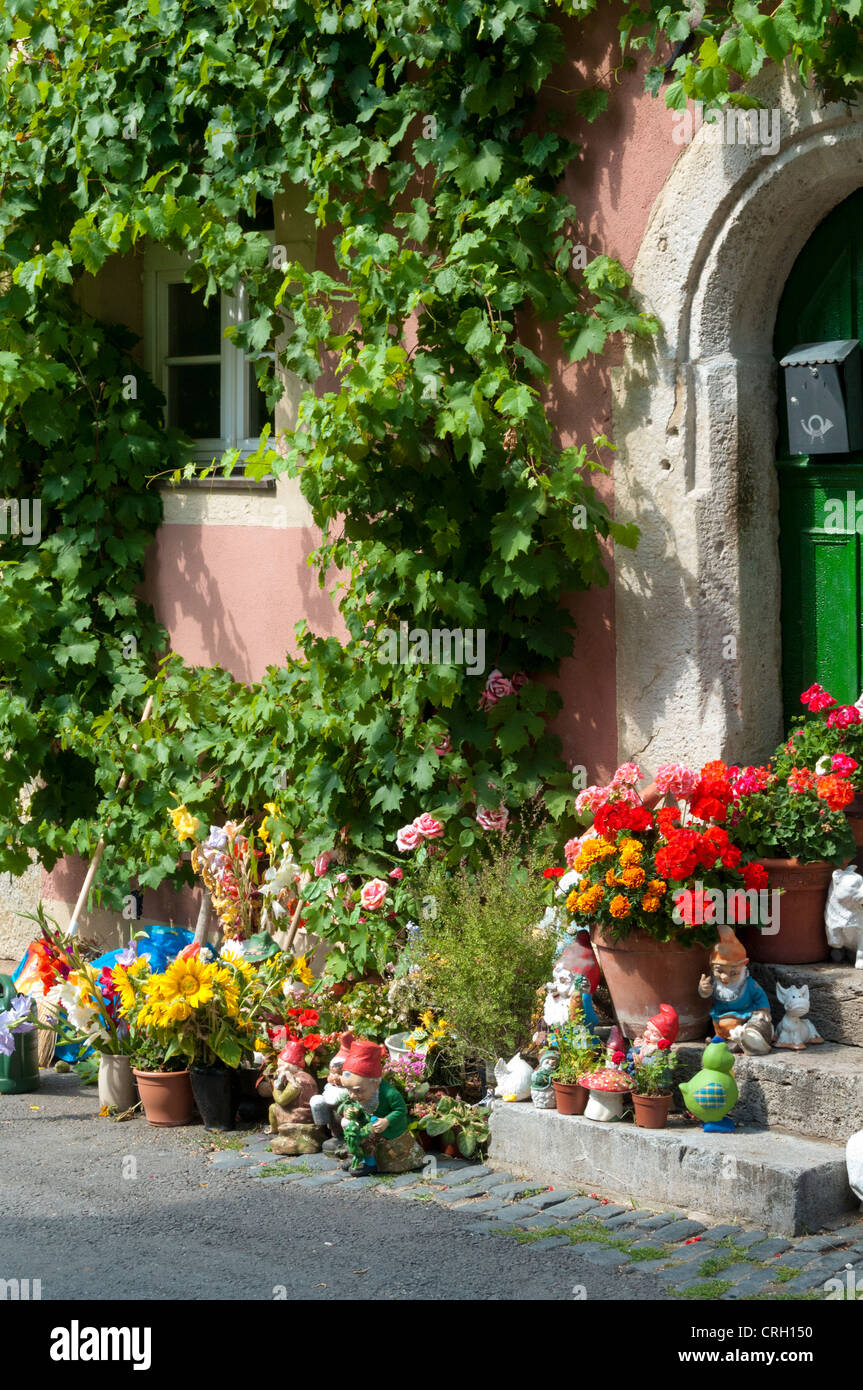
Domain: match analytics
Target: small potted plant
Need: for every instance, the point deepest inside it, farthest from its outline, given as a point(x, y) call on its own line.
point(462, 1128)
point(651, 1086)
point(163, 1085)
point(579, 1053)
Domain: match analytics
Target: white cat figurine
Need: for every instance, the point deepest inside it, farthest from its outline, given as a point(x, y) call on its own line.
point(795, 1031)
point(843, 915)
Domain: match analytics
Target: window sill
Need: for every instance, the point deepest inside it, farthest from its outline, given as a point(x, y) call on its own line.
point(240, 483)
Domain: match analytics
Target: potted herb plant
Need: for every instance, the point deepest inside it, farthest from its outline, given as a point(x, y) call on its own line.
point(651, 1086)
point(579, 1052)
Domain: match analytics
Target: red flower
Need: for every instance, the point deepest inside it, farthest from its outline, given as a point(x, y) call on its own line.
point(311, 1041)
point(663, 1045)
point(711, 797)
point(618, 815)
point(843, 716)
point(618, 1057)
point(695, 907)
point(835, 791)
point(754, 876)
point(553, 873)
point(308, 1017)
point(668, 819)
point(816, 698)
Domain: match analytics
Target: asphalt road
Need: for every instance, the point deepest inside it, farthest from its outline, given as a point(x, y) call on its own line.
point(97, 1210)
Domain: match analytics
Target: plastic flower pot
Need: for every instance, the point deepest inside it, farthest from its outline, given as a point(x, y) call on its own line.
point(801, 938)
point(395, 1045)
point(215, 1092)
point(651, 1112)
point(116, 1082)
point(571, 1098)
point(166, 1097)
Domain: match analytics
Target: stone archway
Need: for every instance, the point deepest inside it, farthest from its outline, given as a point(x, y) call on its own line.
point(697, 604)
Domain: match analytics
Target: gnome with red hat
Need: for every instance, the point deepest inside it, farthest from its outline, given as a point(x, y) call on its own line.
point(374, 1116)
point(324, 1107)
point(291, 1118)
point(662, 1028)
point(740, 1009)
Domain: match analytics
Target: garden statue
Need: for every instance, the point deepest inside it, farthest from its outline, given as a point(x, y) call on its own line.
point(513, 1078)
point(324, 1107)
point(712, 1092)
point(843, 915)
point(740, 1010)
point(854, 1164)
point(663, 1026)
point(795, 1031)
point(574, 974)
point(541, 1088)
point(374, 1116)
point(291, 1119)
point(607, 1088)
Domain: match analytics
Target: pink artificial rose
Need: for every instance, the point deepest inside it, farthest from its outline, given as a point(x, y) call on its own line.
point(496, 688)
point(676, 780)
point(427, 826)
point(322, 863)
point(372, 894)
point(493, 820)
point(408, 838)
point(396, 873)
point(627, 774)
point(843, 765)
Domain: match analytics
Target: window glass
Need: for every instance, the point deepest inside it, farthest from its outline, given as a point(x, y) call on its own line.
point(194, 328)
point(194, 395)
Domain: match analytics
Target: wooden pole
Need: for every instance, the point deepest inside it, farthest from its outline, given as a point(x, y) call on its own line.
point(295, 922)
point(100, 848)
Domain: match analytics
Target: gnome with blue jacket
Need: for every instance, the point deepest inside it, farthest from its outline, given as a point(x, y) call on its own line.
point(740, 1009)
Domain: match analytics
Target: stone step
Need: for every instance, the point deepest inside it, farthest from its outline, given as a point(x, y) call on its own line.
point(835, 997)
point(784, 1183)
point(817, 1092)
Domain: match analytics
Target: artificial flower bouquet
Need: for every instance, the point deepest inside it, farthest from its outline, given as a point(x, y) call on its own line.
point(20, 1017)
point(662, 869)
point(228, 862)
point(828, 741)
point(87, 998)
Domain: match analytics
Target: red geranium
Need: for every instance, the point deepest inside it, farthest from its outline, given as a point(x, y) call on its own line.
point(312, 1041)
point(615, 816)
point(553, 873)
point(843, 716)
point(711, 798)
point(816, 698)
point(308, 1017)
point(754, 876)
point(695, 907)
point(668, 820)
point(835, 791)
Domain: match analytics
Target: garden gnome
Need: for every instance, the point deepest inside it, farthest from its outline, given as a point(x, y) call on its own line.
point(575, 973)
point(374, 1116)
point(541, 1088)
point(663, 1026)
point(291, 1118)
point(324, 1107)
point(740, 1009)
point(712, 1092)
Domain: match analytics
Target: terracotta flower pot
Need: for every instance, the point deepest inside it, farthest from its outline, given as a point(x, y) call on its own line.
point(571, 1098)
point(651, 1112)
point(166, 1096)
point(801, 938)
point(642, 973)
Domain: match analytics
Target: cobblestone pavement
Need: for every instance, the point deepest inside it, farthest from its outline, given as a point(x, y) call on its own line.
point(96, 1209)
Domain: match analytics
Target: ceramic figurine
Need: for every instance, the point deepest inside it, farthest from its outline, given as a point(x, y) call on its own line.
point(607, 1088)
point(574, 973)
point(795, 1031)
point(663, 1026)
point(513, 1078)
point(541, 1089)
point(854, 1164)
point(324, 1107)
point(291, 1118)
point(740, 1009)
point(374, 1116)
point(712, 1092)
point(843, 915)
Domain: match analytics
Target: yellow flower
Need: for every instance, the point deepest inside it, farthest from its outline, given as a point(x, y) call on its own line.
point(657, 886)
point(612, 878)
point(628, 844)
point(189, 979)
point(301, 971)
point(589, 900)
point(177, 1011)
point(619, 906)
point(572, 901)
point(125, 992)
point(185, 824)
point(650, 903)
point(630, 856)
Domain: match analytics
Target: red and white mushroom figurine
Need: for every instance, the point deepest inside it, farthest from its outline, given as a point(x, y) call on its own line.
point(607, 1088)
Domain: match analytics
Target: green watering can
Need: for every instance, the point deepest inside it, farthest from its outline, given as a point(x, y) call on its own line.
point(20, 1072)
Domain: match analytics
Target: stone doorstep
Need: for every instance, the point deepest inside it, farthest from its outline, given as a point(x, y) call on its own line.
point(783, 1184)
point(816, 1093)
point(835, 996)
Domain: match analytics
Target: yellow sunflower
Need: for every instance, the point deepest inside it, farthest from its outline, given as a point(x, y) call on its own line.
point(125, 992)
point(189, 979)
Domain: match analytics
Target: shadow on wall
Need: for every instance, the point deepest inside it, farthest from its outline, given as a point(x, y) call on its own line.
point(231, 595)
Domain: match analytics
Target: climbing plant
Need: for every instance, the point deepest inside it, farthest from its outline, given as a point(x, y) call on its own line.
point(422, 136)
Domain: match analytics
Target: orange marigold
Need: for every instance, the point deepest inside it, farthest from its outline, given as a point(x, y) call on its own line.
point(619, 906)
point(633, 877)
point(650, 903)
point(657, 886)
point(572, 901)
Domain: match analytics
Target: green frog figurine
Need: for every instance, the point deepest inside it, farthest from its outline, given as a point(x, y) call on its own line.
point(712, 1092)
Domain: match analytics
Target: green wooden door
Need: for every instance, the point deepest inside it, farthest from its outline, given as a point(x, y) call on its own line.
point(819, 515)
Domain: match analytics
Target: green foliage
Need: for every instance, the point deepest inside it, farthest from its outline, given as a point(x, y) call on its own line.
point(579, 1051)
point(778, 823)
point(453, 1119)
point(482, 957)
point(414, 135)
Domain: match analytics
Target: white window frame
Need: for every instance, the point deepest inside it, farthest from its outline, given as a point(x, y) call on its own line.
point(163, 268)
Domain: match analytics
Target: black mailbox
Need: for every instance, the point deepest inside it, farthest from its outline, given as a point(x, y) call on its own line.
point(823, 397)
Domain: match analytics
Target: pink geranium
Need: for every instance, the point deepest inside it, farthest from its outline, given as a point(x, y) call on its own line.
point(626, 775)
point(676, 780)
point(841, 717)
point(591, 799)
point(408, 838)
point(493, 820)
point(428, 827)
point(843, 765)
point(372, 894)
point(816, 698)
